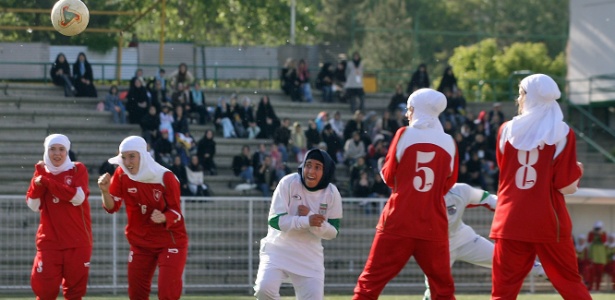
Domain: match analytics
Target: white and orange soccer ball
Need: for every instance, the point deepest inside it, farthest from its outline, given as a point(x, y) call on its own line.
point(70, 17)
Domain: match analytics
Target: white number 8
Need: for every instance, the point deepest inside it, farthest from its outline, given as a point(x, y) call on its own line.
point(525, 178)
point(424, 184)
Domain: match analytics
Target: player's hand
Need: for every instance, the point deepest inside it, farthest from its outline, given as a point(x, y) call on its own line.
point(580, 164)
point(37, 180)
point(104, 181)
point(158, 217)
point(303, 210)
point(316, 220)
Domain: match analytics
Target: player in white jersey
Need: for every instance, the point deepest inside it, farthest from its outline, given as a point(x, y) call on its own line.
point(464, 243)
point(305, 209)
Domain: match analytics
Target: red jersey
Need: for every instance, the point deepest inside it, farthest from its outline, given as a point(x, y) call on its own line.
point(63, 225)
point(141, 199)
point(530, 206)
point(420, 167)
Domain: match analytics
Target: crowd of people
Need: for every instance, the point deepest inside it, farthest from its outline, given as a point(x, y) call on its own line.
point(78, 81)
point(596, 257)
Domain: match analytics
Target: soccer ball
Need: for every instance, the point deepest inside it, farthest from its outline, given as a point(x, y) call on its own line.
point(70, 17)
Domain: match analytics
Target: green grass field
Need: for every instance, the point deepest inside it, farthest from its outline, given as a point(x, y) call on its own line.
point(601, 296)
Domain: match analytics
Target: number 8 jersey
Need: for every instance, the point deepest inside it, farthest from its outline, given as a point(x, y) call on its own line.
point(420, 167)
point(530, 206)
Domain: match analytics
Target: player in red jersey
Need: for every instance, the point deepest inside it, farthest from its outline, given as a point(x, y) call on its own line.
point(156, 230)
point(420, 167)
point(59, 192)
point(536, 154)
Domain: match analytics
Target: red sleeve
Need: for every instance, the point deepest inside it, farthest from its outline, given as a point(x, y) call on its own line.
point(115, 190)
point(35, 191)
point(173, 212)
point(66, 192)
point(451, 180)
point(389, 169)
point(565, 168)
point(498, 153)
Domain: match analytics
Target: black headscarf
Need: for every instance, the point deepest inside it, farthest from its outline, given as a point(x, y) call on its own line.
point(327, 172)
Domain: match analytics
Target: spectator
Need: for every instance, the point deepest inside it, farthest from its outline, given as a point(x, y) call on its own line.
point(324, 82)
point(277, 161)
point(198, 103)
point(242, 165)
point(355, 124)
point(181, 75)
point(420, 79)
point(167, 120)
point(222, 119)
point(286, 82)
point(179, 169)
point(387, 126)
point(303, 76)
point(339, 81)
point(84, 77)
point(321, 120)
point(266, 118)
point(247, 113)
point(206, 150)
point(265, 177)
point(298, 142)
point(253, 130)
point(355, 171)
point(259, 156)
point(180, 121)
point(377, 150)
point(398, 100)
point(106, 167)
point(137, 102)
point(196, 183)
point(597, 255)
point(115, 106)
point(281, 138)
point(158, 96)
point(150, 124)
point(353, 149)
point(163, 81)
point(186, 146)
point(334, 143)
point(164, 151)
point(354, 82)
point(449, 81)
point(583, 258)
point(312, 135)
point(181, 97)
point(60, 75)
point(337, 124)
point(362, 187)
point(496, 110)
point(138, 76)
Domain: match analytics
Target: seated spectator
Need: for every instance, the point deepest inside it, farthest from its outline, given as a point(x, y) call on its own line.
point(387, 126)
point(242, 165)
point(83, 77)
point(198, 103)
point(398, 100)
point(281, 137)
point(298, 142)
point(181, 97)
point(475, 169)
point(185, 146)
point(265, 177)
point(253, 130)
point(337, 124)
point(158, 96)
point(137, 103)
point(355, 170)
point(321, 120)
point(247, 113)
point(167, 119)
point(196, 183)
point(181, 75)
point(285, 81)
point(377, 150)
point(236, 117)
point(164, 151)
point(312, 135)
point(339, 81)
point(179, 169)
point(150, 125)
point(180, 121)
point(138, 76)
point(277, 161)
point(160, 77)
point(60, 75)
point(362, 188)
point(334, 143)
point(353, 149)
point(355, 124)
point(206, 151)
point(222, 119)
point(259, 156)
point(324, 82)
point(115, 106)
point(266, 118)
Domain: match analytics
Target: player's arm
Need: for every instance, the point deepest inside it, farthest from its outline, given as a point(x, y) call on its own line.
point(477, 197)
point(567, 171)
point(36, 190)
point(389, 168)
point(452, 178)
point(330, 228)
point(110, 185)
point(172, 214)
point(279, 216)
point(76, 192)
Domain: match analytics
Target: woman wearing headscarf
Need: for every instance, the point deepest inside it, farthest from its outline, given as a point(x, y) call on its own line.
point(448, 82)
point(156, 230)
point(536, 154)
point(83, 77)
point(420, 167)
point(181, 75)
point(305, 208)
point(223, 117)
point(60, 75)
point(354, 82)
point(266, 118)
point(59, 193)
point(420, 79)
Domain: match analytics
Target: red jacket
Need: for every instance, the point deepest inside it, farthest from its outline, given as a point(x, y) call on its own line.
point(530, 206)
point(141, 199)
point(62, 224)
point(419, 180)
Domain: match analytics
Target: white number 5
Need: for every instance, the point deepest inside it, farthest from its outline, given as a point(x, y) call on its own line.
point(425, 183)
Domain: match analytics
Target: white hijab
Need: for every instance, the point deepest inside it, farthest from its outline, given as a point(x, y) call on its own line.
point(579, 247)
point(428, 104)
point(541, 121)
point(149, 170)
point(52, 140)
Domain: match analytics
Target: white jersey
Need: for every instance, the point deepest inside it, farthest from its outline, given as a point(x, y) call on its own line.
point(297, 246)
point(457, 199)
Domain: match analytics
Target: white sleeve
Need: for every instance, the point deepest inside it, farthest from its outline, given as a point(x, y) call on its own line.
point(334, 211)
point(34, 204)
point(475, 196)
point(280, 209)
point(571, 188)
point(79, 197)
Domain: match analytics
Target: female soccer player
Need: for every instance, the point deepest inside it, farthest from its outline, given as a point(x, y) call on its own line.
point(305, 209)
point(59, 192)
point(420, 167)
point(156, 230)
point(536, 153)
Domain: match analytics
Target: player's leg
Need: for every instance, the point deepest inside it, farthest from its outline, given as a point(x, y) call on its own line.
point(46, 274)
point(268, 281)
point(512, 261)
point(171, 263)
point(76, 272)
point(433, 258)
point(453, 258)
point(478, 251)
point(308, 288)
point(387, 257)
point(559, 262)
point(141, 267)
